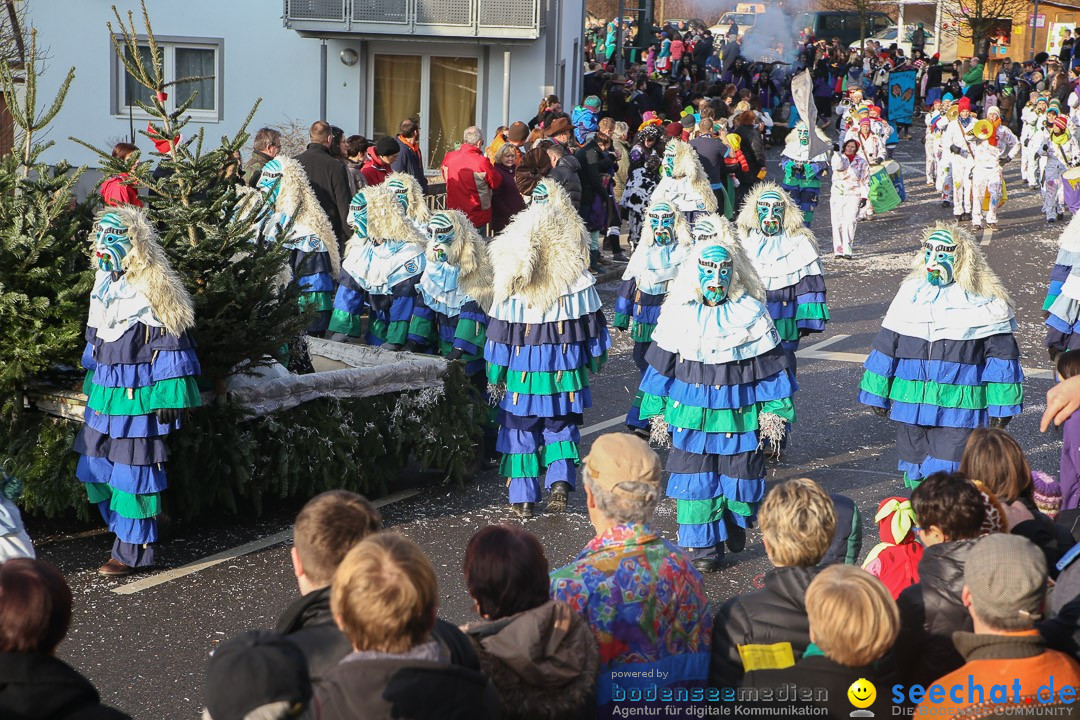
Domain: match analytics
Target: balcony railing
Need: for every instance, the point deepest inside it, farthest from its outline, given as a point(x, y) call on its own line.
point(495, 19)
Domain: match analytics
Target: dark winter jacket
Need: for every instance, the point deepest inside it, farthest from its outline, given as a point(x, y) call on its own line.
point(566, 173)
point(711, 152)
point(330, 182)
point(253, 167)
point(382, 687)
point(595, 164)
point(34, 686)
point(817, 671)
point(774, 614)
point(310, 625)
point(847, 539)
point(506, 201)
point(753, 148)
point(1053, 539)
point(408, 161)
point(542, 661)
point(931, 611)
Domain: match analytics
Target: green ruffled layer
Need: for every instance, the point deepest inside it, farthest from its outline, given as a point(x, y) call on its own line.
point(636, 402)
point(699, 512)
point(538, 383)
point(912, 484)
point(1049, 301)
point(177, 393)
point(346, 323)
point(812, 311)
point(689, 417)
point(471, 331)
point(422, 327)
point(621, 321)
point(519, 465)
point(642, 332)
point(321, 301)
point(396, 332)
point(596, 364)
point(968, 397)
point(132, 507)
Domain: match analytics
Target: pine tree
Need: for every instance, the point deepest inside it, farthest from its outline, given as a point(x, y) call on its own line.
point(45, 271)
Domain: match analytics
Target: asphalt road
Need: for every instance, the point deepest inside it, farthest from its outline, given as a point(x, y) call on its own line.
point(146, 651)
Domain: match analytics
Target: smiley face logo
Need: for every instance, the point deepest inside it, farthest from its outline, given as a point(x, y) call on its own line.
point(862, 693)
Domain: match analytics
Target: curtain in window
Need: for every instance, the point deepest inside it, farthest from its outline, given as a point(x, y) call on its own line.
point(397, 92)
point(196, 63)
point(133, 91)
point(452, 103)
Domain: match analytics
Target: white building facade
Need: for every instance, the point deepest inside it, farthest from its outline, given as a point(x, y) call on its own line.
point(363, 65)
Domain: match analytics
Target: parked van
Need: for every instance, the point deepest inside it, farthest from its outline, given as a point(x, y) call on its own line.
point(744, 15)
point(829, 24)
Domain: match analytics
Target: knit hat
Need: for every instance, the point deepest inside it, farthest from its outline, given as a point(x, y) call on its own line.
point(687, 122)
point(948, 96)
point(255, 669)
point(387, 146)
point(592, 103)
point(1061, 123)
point(964, 104)
point(674, 129)
point(1006, 576)
point(1047, 494)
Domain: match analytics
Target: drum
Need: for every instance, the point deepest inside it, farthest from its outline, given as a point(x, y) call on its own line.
point(1070, 182)
point(897, 176)
point(883, 195)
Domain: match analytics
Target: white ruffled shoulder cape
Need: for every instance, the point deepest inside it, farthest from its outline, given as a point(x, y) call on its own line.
point(579, 300)
point(931, 313)
point(654, 266)
point(781, 260)
point(115, 306)
point(378, 268)
point(731, 331)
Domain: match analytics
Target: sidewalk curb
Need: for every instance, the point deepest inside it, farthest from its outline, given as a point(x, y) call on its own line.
point(615, 274)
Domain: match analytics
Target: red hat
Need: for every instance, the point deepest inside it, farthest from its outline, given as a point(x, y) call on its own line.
point(1061, 123)
point(162, 144)
point(964, 104)
point(674, 129)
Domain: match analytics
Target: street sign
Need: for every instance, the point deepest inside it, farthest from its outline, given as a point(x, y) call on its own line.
point(1037, 20)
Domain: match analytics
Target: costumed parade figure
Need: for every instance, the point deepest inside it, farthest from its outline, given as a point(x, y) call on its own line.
point(384, 260)
point(141, 368)
point(784, 254)
point(930, 142)
point(873, 151)
point(313, 249)
point(1057, 151)
point(454, 293)
point(959, 138)
point(945, 361)
point(683, 182)
point(718, 386)
point(850, 190)
point(802, 174)
point(1032, 118)
point(943, 171)
point(407, 190)
point(665, 243)
point(994, 146)
point(1063, 297)
point(546, 332)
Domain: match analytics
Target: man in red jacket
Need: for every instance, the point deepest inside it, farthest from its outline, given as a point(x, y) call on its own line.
point(470, 179)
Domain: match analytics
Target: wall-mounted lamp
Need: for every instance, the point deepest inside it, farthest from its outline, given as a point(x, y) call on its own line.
point(348, 57)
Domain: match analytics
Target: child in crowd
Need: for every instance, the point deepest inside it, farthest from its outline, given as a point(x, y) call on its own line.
point(895, 560)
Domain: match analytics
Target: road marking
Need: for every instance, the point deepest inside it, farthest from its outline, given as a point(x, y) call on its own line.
point(603, 425)
point(232, 553)
point(987, 235)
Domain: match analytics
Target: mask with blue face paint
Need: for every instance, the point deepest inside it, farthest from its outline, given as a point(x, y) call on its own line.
point(111, 243)
point(803, 133)
point(704, 230)
point(668, 167)
point(715, 270)
point(401, 192)
point(358, 214)
point(939, 255)
point(441, 233)
point(270, 181)
point(662, 221)
point(541, 195)
point(770, 212)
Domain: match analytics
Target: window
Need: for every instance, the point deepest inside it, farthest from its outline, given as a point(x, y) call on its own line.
point(198, 65)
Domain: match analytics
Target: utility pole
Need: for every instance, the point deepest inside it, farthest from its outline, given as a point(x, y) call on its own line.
point(619, 39)
point(1034, 27)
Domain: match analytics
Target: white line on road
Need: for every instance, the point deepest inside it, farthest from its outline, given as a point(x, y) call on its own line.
point(987, 236)
point(603, 425)
point(232, 553)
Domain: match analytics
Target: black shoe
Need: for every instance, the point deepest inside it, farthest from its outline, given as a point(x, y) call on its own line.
point(945, 203)
point(560, 492)
point(523, 510)
point(619, 257)
point(642, 433)
point(736, 538)
point(706, 565)
point(1050, 221)
point(392, 347)
point(1061, 216)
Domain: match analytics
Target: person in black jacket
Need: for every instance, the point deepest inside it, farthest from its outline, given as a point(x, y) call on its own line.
point(329, 179)
point(597, 165)
point(565, 170)
point(408, 159)
point(950, 511)
point(328, 526)
point(797, 524)
point(35, 613)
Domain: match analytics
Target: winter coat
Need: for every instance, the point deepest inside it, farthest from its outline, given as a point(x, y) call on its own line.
point(595, 164)
point(622, 168)
point(819, 672)
point(753, 147)
point(585, 123)
point(408, 161)
point(253, 167)
point(1053, 539)
point(470, 182)
point(1069, 477)
point(34, 686)
point(330, 182)
point(931, 611)
point(120, 190)
point(774, 614)
point(711, 151)
point(506, 202)
point(373, 686)
point(309, 624)
point(375, 171)
point(566, 173)
point(847, 539)
point(542, 661)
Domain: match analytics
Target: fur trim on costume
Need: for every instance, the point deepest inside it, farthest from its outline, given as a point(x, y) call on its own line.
point(1070, 238)
point(297, 200)
point(148, 270)
point(386, 219)
point(793, 217)
point(972, 272)
point(468, 252)
point(794, 150)
point(686, 287)
point(251, 209)
point(683, 237)
point(688, 165)
point(418, 207)
point(541, 252)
